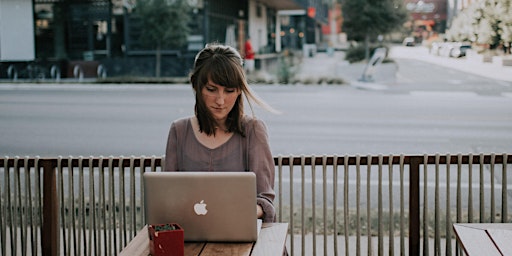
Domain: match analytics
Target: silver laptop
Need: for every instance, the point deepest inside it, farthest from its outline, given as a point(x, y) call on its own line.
point(209, 206)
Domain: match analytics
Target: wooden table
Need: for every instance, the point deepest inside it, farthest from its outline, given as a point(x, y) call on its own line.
point(271, 241)
point(484, 238)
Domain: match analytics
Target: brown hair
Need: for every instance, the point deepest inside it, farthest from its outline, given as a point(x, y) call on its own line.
point(223, 65)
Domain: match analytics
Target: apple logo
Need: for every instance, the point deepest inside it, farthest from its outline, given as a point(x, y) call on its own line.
point(200, 208)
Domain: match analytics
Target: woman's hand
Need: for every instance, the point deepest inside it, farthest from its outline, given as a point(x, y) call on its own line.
point(259, 211)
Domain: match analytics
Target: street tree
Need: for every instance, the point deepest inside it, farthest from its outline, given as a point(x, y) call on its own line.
point(164, 26)
point(485, 22)
point(365, 19)
point(461, 29)
point(506, 30)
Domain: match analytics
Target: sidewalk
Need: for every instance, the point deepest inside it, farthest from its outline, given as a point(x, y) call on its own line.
point(336, 67)
point(323, 65)
point(421, 53)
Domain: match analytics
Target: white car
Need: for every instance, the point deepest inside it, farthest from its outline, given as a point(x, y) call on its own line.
point(409, 41)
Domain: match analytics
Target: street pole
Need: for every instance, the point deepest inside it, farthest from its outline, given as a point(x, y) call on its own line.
point(332, 21)
point(206, 22)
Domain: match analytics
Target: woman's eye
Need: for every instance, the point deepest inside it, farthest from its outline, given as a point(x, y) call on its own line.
point(210, 89)
point(230, 90)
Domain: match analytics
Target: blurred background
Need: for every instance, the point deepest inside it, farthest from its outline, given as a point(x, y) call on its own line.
point(115, 39)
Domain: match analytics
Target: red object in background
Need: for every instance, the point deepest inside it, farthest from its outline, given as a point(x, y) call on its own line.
point(427, 9)
point(334, 14)
point(311, 12)
point(249, 52)
point(163, 241)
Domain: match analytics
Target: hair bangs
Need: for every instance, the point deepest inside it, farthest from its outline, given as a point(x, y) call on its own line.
point(223, 71)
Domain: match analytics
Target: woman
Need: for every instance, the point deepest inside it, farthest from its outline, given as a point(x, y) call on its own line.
point(220, 137)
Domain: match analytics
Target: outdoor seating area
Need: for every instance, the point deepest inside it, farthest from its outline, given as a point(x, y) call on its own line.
point(384, 205)
point(271, 241)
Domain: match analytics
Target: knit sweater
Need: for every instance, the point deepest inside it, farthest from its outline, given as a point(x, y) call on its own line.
point(184, 152)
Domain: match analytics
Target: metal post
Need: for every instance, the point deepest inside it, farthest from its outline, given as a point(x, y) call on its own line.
point(126, 32)
point(414, 205)
point(50, 225)
point(109, 30)
point(206, 22)
point(278, 33)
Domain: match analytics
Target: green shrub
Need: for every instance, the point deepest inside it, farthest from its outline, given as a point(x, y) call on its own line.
point(357, 53)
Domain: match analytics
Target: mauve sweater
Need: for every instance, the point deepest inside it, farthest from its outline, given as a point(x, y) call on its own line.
point(252, 153)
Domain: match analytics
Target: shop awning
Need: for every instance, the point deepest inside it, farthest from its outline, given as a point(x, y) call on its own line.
point(283, 4)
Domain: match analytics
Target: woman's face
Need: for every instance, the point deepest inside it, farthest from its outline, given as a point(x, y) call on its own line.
point(219, 100)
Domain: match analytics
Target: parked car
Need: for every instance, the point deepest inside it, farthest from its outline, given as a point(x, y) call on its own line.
point(409, 41)
point(436, 47)
point(445, 49)
point(459, 50)
point(450, 49)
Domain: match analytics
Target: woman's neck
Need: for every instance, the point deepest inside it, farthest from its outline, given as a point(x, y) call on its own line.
point(219, 137)
point(220, 125)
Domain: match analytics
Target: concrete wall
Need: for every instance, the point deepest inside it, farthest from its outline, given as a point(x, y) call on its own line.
point(16, 30)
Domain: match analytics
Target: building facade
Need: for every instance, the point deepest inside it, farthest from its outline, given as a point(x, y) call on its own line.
point(428, 17)
point(78, 36)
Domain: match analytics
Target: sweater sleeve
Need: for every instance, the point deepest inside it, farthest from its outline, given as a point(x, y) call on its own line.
point(171, 152)
point(261, 162)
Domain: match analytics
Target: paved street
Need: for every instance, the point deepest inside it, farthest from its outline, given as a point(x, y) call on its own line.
point(133, 120)
point(412, 107)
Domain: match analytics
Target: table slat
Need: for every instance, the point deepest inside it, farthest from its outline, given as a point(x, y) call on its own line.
point(271, 240)
point(227, 249)
point(139, 245)
point(193, 249)
point(502, 239)
point(475, 241)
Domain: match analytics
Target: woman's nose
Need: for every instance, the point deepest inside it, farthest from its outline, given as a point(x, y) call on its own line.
point(220, 98)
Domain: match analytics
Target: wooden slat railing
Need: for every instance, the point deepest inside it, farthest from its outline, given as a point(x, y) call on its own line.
point(34, 204)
